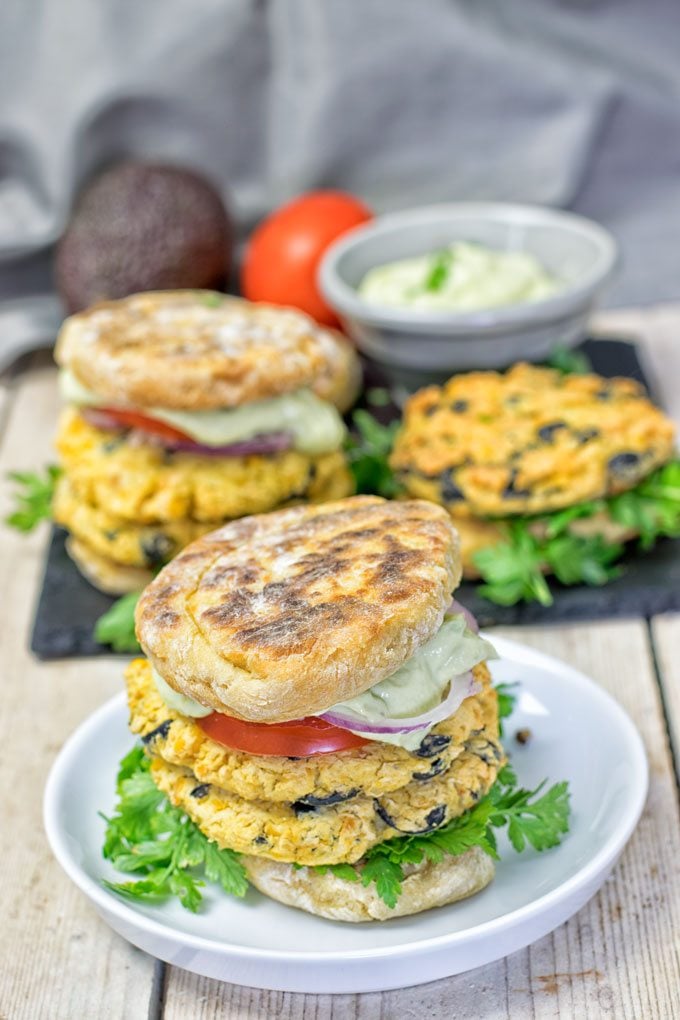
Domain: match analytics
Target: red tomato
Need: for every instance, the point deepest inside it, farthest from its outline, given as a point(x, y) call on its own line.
point(136, 420)
point(297, 739)
point(284, 251)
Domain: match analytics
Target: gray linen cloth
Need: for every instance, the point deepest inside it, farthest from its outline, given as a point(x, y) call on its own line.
point(573, 103)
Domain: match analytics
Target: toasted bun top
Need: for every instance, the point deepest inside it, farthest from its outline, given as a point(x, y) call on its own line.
point(282, 615)
point(199, 350)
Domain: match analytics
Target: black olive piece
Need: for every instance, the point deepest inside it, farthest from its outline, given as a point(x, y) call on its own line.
point(261, 841)
point(112, 444)
point(486, 751)
point(438, 766)
point(451, 493)
point(510, 492)
point(622, 463)
point(160, 731)
point(300, 808)
point(332, 798)
point(459, 406)
point(157, 549)
point(585, 435)
point(431, 745)
point(433, 819)
point(200, 791)
point(547, 432)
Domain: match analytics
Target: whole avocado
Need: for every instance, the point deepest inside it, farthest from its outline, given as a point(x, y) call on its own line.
point(143, 226)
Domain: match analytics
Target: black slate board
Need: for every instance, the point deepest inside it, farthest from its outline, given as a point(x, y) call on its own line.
point(68, 605)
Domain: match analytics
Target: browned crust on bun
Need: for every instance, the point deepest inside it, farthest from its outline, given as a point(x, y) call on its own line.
point(282, 615)
point(426, 885)
point(200, 350)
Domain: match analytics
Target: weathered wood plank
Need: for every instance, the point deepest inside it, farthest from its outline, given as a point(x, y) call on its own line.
point(657, 331)
point(59, 961)
point(617, 958)
point(666, 637)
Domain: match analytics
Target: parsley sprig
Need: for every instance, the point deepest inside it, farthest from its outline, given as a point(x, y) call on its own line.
point(513, 570)
point(530, 819)
point(148, 837)
point(116, 627)
point(33, 497)
point(506, 703)
point(368, 449)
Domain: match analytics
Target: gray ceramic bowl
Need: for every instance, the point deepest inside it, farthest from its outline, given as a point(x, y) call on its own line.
point(417, 346)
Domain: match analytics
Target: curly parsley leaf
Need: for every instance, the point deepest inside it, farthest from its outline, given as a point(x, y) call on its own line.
point(116, 627)
point(148, 837)
point(569, 361)
point(539, 823)
point(513, 569)
point(506, 703)
point(652, 508)
point(33, 497)
point(368, 449)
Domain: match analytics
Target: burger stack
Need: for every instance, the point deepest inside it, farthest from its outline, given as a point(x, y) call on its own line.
point(311, 692)
point(185, 409)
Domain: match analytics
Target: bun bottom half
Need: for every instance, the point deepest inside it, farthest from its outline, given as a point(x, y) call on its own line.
point(426, 885)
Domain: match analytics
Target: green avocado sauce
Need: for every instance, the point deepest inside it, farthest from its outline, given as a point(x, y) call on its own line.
point(462, 277)
point(316, 426)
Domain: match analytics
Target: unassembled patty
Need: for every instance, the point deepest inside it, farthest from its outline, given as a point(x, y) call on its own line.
point(133, 544)
point(335, 833)
point(372, 771)
point(146, 484)
point(528, 441)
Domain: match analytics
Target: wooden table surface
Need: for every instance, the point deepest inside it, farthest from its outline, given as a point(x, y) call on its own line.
point(618, 957)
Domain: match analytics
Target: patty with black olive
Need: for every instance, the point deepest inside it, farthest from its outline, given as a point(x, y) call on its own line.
point(492, 447)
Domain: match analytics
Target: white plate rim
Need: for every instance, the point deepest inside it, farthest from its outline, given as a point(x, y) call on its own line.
point(509, 650)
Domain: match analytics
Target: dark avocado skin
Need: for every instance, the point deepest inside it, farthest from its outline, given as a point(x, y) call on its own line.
point(143, 226)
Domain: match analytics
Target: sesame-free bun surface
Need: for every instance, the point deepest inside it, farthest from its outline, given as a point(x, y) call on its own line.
point(426, 885)
point(199, 350)
point(282, 615)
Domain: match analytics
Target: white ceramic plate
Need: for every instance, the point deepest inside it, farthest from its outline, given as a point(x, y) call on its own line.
point(578, 733)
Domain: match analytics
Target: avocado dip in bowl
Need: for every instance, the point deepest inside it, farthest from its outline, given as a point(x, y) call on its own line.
point(432, 291)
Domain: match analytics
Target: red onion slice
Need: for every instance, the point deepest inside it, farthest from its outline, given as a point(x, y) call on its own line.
point(269, 442)
point(100, 419)
point(456, 609)
point(461, 687)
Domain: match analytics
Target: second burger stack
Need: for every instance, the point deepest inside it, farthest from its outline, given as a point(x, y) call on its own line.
point(186, 409)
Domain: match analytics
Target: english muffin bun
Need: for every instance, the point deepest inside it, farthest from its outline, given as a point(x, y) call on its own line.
point(426, 885)
point(283, 615)
point(103, 573)
point(200, 350)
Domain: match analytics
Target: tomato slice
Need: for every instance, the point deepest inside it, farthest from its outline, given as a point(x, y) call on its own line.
point(299, 738)
point(137, 420)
